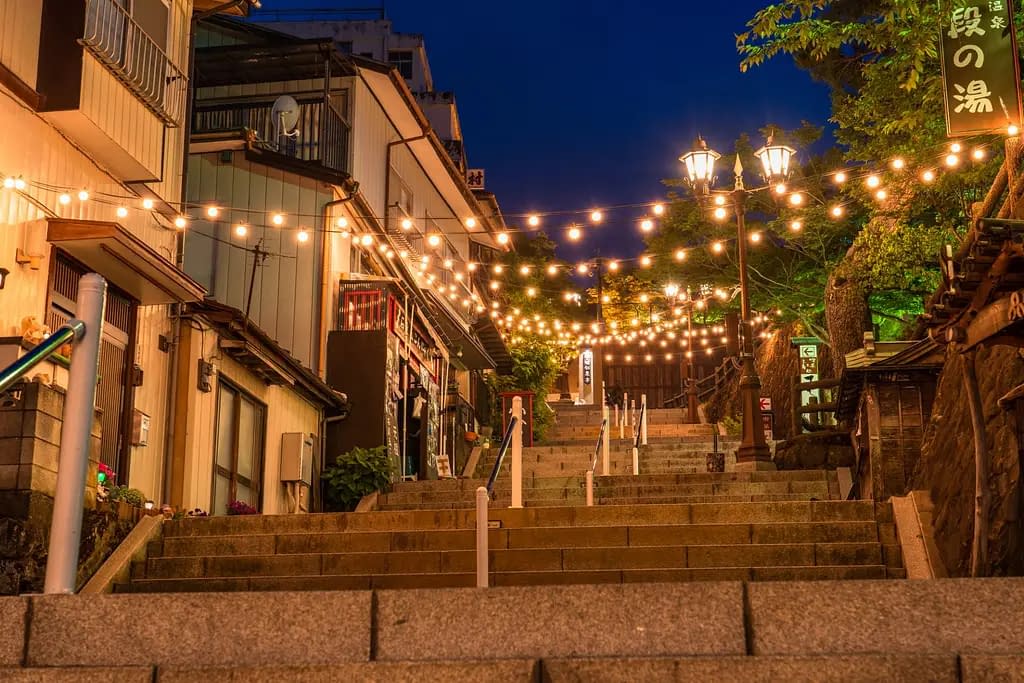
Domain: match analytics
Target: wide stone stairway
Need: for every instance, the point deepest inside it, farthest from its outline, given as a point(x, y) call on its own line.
point(674, 574)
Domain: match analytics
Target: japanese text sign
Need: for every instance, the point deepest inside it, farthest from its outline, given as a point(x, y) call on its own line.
point(979, 67)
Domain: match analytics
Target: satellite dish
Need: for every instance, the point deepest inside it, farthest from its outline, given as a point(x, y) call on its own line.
point(285, 117)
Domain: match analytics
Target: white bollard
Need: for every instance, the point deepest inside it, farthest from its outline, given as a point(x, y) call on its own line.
point(625, 413)
point(79, 410)
point(590, 488)
point(481, 538)
point(632, 413)
point(617, 423)
point(643, 419)
point(517, 454)
point(605, 445)
point(636, 461)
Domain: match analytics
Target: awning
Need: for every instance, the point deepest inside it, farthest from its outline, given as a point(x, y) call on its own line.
point(124, 260)
point(473, 355)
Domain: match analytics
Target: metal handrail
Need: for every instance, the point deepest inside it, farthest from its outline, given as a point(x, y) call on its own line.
point(597, 448)
point(506, 441)
point(73, 330)
point(639, 426)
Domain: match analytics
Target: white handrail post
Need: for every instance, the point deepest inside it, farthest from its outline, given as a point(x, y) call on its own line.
point(605, 444)
point(632, 413)
point(643, 419)
point(590, 488)
point(636, 460)
point(517, 454)
point(625, 413)
point(75, 435)
point(481, 537)
point(617, 423)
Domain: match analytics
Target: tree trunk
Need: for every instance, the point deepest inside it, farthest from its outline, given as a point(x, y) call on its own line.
point(847, 315)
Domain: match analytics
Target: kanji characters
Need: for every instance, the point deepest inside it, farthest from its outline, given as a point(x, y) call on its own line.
point(974, 98)
point(966, 22)
point(998, 22)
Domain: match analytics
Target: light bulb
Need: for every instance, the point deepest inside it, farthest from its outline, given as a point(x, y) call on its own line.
point(241, 230)
point(647, 225)
point(755, 237)
point(721, 213)
point(658, 209)
point(952, 160)
point(719, 200)
point(928, 176)
point(366, 240)
point(717, 247)
point(596, 216)
point(795, 226)
point(1012, 130)
point(470, 222)
point(503, 238)
point(680, 254)
point(9, 183)
point(122, 212)
point(303, 236)
point(796, 199)
point(836, 211)
point(898, 164)
point(406, 224)
point(574, 234)
point(495, 285)
point(645, 261)
point(613, 265)
point(147, 204)
point(524, 270)
point(434, 240)
point(955, 148)
point(180, 222)
point(471, 267)
point(212, 211)
point(277, 219)
point(881, 195)
point(19, 183)
point(498, 269)
point(978, 154)
point(873, 181)
point(583, 269)
point(839, 178)
point(83, 195)
point(65, 198)
point(780, 188)
point(531, 291)
point(533, 221)
point(342, 222)
point(552, 270)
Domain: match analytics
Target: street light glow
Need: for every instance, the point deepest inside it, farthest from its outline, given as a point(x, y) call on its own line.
point(720, 213)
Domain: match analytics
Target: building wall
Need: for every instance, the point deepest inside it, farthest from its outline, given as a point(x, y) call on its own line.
point(286, 289)
point(19, 37)
point(286, 411)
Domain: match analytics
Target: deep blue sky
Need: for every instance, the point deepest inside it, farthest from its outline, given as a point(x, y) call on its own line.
point(570, 104)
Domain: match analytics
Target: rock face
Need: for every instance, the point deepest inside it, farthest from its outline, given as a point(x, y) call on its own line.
point(819, 450)
point(946, 467)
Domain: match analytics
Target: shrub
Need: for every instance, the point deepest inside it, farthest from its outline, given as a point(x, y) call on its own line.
point(127, 495)
point(355, 474)
point(534, 368)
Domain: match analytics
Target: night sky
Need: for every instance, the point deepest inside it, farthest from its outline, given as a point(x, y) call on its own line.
point(569, 105)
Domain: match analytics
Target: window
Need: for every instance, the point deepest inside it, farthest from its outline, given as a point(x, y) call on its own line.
point(401, 60)
point(238, 459)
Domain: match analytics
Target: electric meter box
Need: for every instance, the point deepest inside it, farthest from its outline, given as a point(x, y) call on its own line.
point(297, 457)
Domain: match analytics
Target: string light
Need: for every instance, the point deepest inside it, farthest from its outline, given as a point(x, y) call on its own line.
point(613, 266)
point(645, 261)
point(434, 240)
point(795, 226)
point(277, 219)
point(837, 211)
point(122, 212)
point(583, 269)
point(574, 233)
point(717, 247)
point(342, 222)
point(596, 216)
point(978, 154)
point(303, 236)
point(955, 148)
point(83, 195)
point(680, 254)
point(898, 164)
point(928, 176)
point(873, 181)
point(720, 213)
point(839, 178)
point(647, 225)
point(406, 224)
point(147, 204)
point(659, 209)
point(524, 270)
point(366, 240)
point(470, 222)
point(719, 200)
point(503, 238)
point(241, 230)
point(533, 221)
point(796, 199)
point(64, 198)
point(552, 270)
point(212, 211)
point(881, 195)
point(1012, 130)
point(952, 160)
point(755, 237)
point(498, 269)
point(180, 222)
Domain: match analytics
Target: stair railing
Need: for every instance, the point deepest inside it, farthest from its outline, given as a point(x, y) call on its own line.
point(511, 440)
point(639, 434)
point(85, 333)
point(593, 463)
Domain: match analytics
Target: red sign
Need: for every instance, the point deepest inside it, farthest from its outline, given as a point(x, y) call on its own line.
point(766, 404)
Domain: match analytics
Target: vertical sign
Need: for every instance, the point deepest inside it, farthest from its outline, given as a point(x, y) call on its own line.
point(980, 75)
point(809, 373)
point(588, 367)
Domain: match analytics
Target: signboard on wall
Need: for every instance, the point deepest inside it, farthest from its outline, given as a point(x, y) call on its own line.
point(476, 178)
point(980, 75)
point(587, 362)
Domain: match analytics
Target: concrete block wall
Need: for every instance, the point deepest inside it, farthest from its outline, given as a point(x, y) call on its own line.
point(942, 630)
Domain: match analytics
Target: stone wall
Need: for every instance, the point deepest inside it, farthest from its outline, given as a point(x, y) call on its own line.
point(946, 466)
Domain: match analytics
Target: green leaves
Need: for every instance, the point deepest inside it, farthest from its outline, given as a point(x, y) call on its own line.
point(355, 474)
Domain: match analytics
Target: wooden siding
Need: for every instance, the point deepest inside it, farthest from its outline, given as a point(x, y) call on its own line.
point(286, 412)
point(286, 290)
point(660, 381)
point(19, 37)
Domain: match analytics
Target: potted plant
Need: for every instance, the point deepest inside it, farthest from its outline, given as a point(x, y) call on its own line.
point(240, 507)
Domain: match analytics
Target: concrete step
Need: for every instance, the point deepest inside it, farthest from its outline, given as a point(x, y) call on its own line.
point(947, 629)
point(704, 513)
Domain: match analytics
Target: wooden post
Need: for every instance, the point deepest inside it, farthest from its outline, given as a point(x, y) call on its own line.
point(982, 495)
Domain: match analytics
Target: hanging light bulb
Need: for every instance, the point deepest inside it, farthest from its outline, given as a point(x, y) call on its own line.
point(434, 240)
point(448, 263)
point(898, 164)
point(596, 216)
point(795, 226)
point(720, 213)
point(212, 212)
point(873, 181)
point(277, 219)
point(531, 292)
point(680, 254)
point(837, 211)
point(122, 212)
point(552, 270)
point(574, 233)
point(658, 209)
point(64, 198)
point(495, 285)
point(9, 183)
point(366, 240)
point(471, 267)
point(796, 199)
point(1012, 130)
point(583, 269)
point(952, 160)
point(533, 221)
point(647, 225)
point(502, 238)
point(928, 176)
point(645, 261)
point(717, 247)
point(498, 269)
point(719, 200)
point(83, 195)
point(780, 188)
point(955, 148)
point(342, 222)
point(241, 230)
point(978, 153)
point(839, 178)
point(407, 224)
point(147, 204)
point(180, 222)
point(881, 195)
point(524, 270)
point(613, 266)
point(470, 222)
point(303, 236)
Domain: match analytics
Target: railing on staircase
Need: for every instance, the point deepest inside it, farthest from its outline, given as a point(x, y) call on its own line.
point(512, 440)
point(640, 435)
point(85, 333)
point(593, 462)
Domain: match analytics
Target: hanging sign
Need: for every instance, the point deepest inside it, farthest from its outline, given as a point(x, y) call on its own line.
point(587, 362)
point(980, 75)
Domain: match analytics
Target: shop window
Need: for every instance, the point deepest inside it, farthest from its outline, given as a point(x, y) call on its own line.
point(238, 458)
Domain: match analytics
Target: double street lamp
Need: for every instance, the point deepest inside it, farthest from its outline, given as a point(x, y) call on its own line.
point(753, 452)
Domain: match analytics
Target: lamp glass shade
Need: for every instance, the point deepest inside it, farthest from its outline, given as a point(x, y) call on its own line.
point(775, 160)
point(700, 165)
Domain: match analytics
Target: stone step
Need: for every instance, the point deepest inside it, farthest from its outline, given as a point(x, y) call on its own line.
point(412, 581)
point(623, 501)
point(525, 537)
point(851, 630)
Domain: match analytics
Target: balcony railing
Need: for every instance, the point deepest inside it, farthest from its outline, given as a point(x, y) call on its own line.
point(113, 37)
point(320, 136)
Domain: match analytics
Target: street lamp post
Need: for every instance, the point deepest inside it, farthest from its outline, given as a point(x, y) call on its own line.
point(753, 452)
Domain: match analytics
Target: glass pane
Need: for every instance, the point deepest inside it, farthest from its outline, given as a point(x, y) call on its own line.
point(245, 494)
point(225, 427)
point(247, 441)
point(221, 493)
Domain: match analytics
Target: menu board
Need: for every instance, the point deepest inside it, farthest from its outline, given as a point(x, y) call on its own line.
point(433, 426)
point(390, 413)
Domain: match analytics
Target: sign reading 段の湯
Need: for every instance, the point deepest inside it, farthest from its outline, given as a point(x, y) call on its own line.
point(979, 67)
